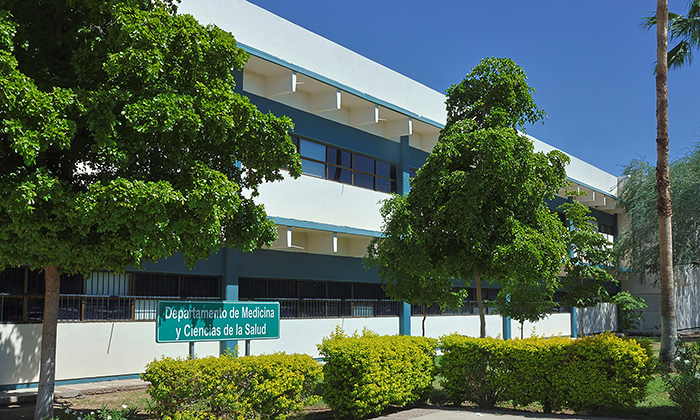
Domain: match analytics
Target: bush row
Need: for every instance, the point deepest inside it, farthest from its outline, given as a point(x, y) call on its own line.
point(364, 374)
point(586, 374)
point(268, 386)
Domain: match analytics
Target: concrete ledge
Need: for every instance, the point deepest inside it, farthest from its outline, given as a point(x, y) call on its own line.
point(72, 391)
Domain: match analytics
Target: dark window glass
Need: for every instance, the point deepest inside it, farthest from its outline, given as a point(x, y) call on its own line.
point(363, 163)
point(156, 285)
point(384, 185)
point(252, 288)
point(338, 157)
point(11, 309)
point(35, 283)
point(312, 150)
point(312, 289)
point(368, 291)
point(313, 168)
point(71, 284)
point(282, 289)
point(340, 174)
point(363, 180)
point(199, 286)
point(338, 290)
point(295, 140)
point(12, 281)
point(384, 169)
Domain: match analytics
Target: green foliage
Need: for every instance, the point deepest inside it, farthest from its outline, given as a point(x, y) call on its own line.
point(267, 386)
point(365, 374)
point(684, 385)
point(638, 244)
point(123, 139)
point(124, 413)
point(591, 259)
point(629, 310)
point(494, 94)
point(587, 374)
point(683, 28)
point(403, 262)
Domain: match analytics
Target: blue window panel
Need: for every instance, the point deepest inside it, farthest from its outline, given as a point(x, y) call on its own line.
point(338, 157)
point(313, 168)
point(385, 185)
point(340, 174)
point(364, 180)
point(312, 150)
point(363, 163)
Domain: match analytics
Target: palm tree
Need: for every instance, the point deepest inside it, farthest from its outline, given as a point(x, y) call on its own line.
point(686, 30)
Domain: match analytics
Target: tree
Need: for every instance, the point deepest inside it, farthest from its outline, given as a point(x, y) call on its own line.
point(591, 258)
point(525, 300)
point(638, 244)
point(476, 209)
point(123, 141)
point(629, 310)
point(404, 265)
point(682, 28)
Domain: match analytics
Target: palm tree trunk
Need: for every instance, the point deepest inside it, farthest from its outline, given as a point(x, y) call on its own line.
point(480, 302)
point(47, 374)
point(425, 315)
point(669, 331)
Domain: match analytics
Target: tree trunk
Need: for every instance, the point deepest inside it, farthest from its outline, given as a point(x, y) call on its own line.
point(425, 315)
point(480, 302)
point(669, 331)
point(47, 374)
point(522, 330)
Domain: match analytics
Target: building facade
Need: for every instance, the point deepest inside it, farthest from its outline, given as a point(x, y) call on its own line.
point(361, 130)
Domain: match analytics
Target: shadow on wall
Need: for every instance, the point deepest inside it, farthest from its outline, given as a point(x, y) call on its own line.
point(688, 297)
point(598, 319)
point(20, 354)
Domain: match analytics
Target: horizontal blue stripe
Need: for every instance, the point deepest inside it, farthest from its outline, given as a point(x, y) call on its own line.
point(306, 224)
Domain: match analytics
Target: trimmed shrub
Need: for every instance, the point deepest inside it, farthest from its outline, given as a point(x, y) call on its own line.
point(684, 386)
point(267, 386)
point(586, 374)
point(365, 374)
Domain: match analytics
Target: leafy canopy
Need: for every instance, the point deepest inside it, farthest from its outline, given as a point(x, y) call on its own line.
point(588, 268)
point(494, 94)
point(638, 244)
point(123, 140)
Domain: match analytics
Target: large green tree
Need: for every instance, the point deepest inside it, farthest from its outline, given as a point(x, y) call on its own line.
point(122, 141)
point(477, 207)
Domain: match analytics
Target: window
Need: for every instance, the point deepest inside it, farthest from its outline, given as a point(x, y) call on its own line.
point(99, 297)
point(346, 167)
point(320, 299)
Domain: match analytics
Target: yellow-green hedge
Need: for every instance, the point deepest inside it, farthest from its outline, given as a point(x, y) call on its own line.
point(364, 374)
point(267, 386)
point(585, 374)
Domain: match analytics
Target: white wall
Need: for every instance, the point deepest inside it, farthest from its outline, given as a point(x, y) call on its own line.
point(598, 319)
point(552, 325)
point(687, 280)
point(322, 201)
point(87, 350)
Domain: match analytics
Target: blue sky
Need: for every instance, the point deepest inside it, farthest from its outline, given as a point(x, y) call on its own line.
point(590, 62)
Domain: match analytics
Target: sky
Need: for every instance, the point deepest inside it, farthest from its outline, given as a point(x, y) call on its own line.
point(589, 61)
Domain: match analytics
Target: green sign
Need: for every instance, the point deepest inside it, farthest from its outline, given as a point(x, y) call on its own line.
point(188, 321)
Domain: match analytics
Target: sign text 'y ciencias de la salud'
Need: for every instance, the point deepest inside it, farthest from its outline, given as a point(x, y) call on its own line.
point(187, 321)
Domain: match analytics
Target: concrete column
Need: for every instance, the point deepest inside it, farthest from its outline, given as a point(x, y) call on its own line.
point(402, 188)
